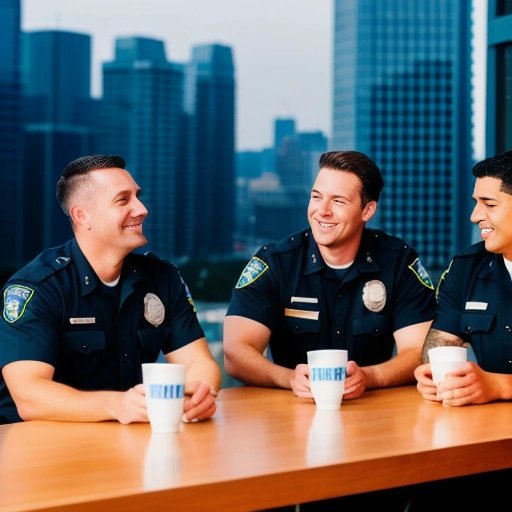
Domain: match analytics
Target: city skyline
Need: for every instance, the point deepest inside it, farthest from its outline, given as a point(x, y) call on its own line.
point(282, 49)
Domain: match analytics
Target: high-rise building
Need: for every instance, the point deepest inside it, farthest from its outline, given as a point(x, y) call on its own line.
point(56, 76)
point(57, 127)
point(499, 77)
point(209, 199)
point(402, 95)
point(10, 137)
point(142, 121)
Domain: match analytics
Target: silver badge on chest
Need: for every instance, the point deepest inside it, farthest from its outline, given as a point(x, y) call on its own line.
point(374, 295)
point(154, 310)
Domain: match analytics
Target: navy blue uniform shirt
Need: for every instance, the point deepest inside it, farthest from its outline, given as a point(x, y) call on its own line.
point(475, 304)
point(56, 310)
point(309, 306)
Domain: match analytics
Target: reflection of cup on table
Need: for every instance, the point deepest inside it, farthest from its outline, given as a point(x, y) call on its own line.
point(165, 393)
point(327, 370)
point(446, 359)
point(325, 438)
point(162, 464)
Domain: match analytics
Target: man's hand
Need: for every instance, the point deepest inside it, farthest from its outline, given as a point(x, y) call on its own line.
point(129, 406)
point(425, 385)
point(300, 381)
point(355, 382)
point(199, 401)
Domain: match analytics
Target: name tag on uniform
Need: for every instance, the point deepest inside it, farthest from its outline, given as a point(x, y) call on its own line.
point(300, 313)
point(85, 320)
point(480, 306)
point(305, 300)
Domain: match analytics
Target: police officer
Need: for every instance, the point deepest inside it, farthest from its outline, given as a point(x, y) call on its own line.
point(335, 285)
point(475, 298)
point(79, 319)
point(475, 310)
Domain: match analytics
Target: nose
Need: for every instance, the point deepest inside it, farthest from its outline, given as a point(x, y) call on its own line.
point(477, 214)
point(138, 208)
point(325, 207)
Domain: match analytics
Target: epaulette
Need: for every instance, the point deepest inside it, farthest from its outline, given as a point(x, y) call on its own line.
point(391, 241)
point(290, 243)
point(48, 263)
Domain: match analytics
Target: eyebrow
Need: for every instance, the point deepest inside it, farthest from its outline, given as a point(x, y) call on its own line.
point(335, 196)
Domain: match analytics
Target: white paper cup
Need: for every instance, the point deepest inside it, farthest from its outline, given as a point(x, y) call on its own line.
point(165, 393)
point(327, 371)
point(444, 360)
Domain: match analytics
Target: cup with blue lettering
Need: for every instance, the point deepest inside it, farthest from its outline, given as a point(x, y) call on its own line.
point(446, 359)
point(327, 371)
point(164, 384)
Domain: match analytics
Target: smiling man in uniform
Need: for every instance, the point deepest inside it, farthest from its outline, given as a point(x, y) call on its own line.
point(80, 319)
point(336, 285)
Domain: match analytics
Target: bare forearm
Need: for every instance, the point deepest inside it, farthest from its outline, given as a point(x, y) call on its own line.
point(55, 401)
point(205, 371)
point(253, 368)
point(398, 371)
point(436, 338)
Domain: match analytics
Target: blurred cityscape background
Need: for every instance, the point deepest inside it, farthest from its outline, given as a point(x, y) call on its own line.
point(402, 87)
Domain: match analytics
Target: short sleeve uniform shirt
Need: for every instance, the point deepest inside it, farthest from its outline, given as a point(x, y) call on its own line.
point(475, 304)
point(57, 311)
point(308, 306)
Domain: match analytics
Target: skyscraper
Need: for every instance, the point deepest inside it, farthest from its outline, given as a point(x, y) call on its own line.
point(402, 95)
point(208, 223)
point(499, 77)
point(10, 136)
point(142, 121)
point(57, 128)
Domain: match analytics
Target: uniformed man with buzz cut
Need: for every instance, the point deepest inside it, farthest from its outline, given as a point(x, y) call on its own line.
point(336, 285)
point(80, 319)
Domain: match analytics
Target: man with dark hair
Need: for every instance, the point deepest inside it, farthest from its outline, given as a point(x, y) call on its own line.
point(475, 298)
point(80, 319)
point(335, 285)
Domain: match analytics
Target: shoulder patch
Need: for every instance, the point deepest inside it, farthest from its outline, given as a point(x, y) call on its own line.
point(254, 269)
point(16, 298)
point(419, 271)
point(441, 279)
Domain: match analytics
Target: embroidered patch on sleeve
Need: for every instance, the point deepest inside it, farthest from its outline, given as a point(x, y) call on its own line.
point(254, 269)
point(16, 298)
point(419, 271)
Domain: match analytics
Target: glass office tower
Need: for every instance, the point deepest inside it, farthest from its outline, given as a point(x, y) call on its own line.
point(499, 77)
point(10, 136)
point(56, 77)
point(142, 121)
point(402, 95)
point(209, 203)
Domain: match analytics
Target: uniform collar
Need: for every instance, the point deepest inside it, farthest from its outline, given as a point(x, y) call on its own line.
point(89, 281)
point(87, 278)
point(494, 268)
point(365, 261)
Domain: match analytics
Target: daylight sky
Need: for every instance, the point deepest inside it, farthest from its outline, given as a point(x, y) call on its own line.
point(282, 49)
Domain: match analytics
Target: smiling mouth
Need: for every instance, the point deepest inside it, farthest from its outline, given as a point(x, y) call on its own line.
point(326, 224)
point(485, 231)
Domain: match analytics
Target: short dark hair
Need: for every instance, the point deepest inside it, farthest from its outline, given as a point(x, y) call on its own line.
point(77, 171)
point(359, 164)
point(498, 166)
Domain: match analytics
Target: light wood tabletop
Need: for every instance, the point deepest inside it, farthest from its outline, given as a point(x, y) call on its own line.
point(264, 448)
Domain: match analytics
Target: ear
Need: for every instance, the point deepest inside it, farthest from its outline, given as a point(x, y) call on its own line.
point(79, 217)
point(369, 210)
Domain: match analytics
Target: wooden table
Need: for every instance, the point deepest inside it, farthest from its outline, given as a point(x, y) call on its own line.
point(265, 448)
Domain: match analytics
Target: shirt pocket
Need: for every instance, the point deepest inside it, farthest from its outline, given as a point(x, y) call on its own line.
point(152, 341)
point(299, 326)
point(373, 341)
point(476, 323)
point(84, 342)
point(82, 359)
